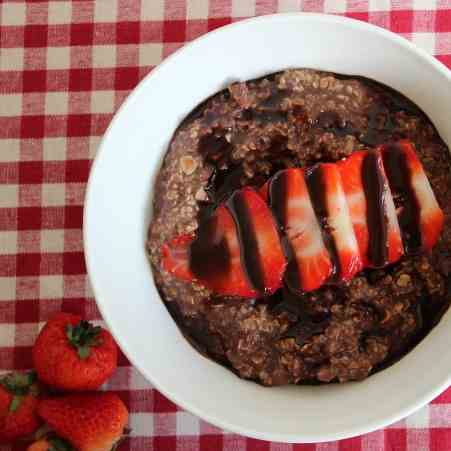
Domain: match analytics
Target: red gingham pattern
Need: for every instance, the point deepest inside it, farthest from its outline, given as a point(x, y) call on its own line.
point(65, 67)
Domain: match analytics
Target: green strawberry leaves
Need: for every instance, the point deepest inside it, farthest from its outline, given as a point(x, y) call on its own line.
point(83, 336)
point(83, 352)
point(58, 444)
point(15, 403)
point(19, 385)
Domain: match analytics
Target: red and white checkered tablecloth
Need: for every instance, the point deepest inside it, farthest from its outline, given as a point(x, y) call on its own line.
point(65, 67)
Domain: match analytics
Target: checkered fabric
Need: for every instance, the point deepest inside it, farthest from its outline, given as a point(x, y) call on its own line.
point(65, 67)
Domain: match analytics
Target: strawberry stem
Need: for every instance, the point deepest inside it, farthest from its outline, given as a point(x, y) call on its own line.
point(15, 403)
point(83, 336)
point(19, 385)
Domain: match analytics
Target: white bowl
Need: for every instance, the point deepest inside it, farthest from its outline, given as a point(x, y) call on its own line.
point(117, 214)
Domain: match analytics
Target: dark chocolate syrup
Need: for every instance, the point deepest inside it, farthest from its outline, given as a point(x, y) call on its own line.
point(382, 125)
point(314, 178)
point(399, 177)
point(250, 257)
point(223, 182)
point(277, 196)
point(388, 96)
point(274, 101)
point(220, 184)
point(329, 120)
point(374, 188)
point(208, 255)
point(304, 325)
point(264, 117)
point(213, 147)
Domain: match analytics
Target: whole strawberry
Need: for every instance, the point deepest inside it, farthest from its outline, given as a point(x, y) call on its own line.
point(71, 354)
point(89, 422)
point(18, 406)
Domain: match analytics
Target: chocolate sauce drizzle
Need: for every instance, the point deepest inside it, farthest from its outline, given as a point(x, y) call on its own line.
point(265, 116)
point(248, 243)
point(208, 255)
point(400, 180)
point(374, 188)
point(382, 126)
point(314, 178)
point(277, 194)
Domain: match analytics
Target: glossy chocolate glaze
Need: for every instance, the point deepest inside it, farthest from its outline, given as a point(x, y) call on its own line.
point(277, 198)
point(248, 244)
point(374, 188)
point(208, 255)
point(381, 126)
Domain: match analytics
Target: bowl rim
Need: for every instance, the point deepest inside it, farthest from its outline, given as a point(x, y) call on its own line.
point(211, 417)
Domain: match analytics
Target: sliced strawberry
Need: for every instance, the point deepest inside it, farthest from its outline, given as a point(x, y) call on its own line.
point(329, 201)
point(431, 215)
point(212, 257)
point(419, 215)
point(351, 177)
point(215, 256)
point(368, 196)
point(309, 264)
point(261, 251)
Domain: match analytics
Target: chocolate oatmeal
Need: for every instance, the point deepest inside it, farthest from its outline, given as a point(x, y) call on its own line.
point(244, 135)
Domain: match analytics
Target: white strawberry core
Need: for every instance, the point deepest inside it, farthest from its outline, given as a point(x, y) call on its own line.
point(424, 194)
point(303, 227)
point(340, 223)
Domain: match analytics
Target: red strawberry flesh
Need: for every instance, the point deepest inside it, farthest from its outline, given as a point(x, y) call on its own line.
point(351, 176)
point(309, 263)
point(215, 256)
point(261, 252)
point(325, 182)
point(371, 208)
point(419, 216)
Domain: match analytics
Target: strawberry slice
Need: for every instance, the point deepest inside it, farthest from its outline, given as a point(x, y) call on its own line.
point(351, 177)
point(368, 197)
point(213, 257)
point(420, 216)
point(309, 264)
point(431, 215)
point(261, 251)
point(329, 201)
